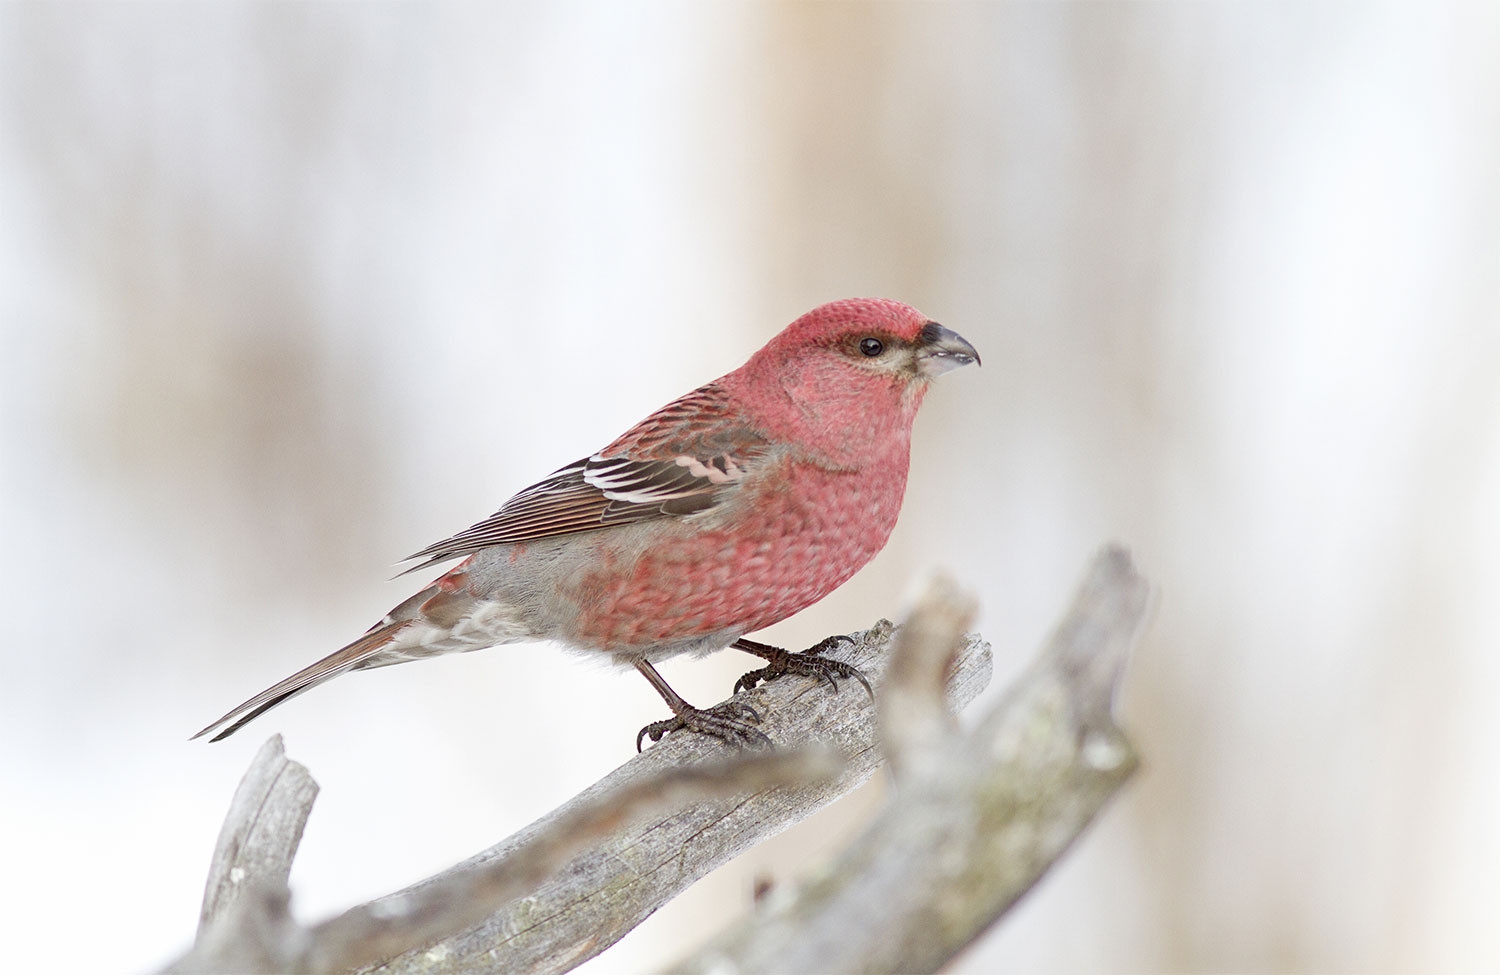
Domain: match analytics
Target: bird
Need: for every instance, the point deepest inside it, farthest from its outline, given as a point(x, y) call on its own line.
point(729, 509)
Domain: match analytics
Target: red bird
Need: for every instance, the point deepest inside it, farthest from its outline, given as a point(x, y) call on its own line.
point(723, 512)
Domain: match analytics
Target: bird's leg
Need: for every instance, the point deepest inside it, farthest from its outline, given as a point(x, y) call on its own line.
point(730, 721)
point(808, 663)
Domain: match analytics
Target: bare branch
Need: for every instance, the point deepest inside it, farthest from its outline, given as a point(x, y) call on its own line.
point(609, 889)
point(244, 914)
point(260, 835)
point(960, 843)
point(630, 862)
point(372, 933)
point(912, 713)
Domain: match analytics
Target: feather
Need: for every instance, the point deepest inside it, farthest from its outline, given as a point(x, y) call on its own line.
point(341, 661)
point(676, 462)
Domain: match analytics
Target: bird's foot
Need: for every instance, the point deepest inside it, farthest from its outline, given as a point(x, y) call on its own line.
point(731, 722)
point(808, 663)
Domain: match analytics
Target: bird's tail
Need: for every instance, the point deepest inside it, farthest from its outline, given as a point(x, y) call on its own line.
point(356, 654)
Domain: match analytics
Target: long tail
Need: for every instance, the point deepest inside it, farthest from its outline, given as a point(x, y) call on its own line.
point(340, 661)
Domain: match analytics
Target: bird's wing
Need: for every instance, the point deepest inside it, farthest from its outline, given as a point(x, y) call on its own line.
point(680, 460)
point(352, 657)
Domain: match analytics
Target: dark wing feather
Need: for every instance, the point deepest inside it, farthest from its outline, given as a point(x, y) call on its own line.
point(662, 468)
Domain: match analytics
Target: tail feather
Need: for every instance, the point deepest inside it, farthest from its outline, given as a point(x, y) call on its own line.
point(340, 661)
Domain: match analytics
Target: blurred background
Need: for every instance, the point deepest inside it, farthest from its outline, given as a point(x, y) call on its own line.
point(289, 291)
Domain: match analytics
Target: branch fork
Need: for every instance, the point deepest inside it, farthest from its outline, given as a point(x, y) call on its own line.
point(977, 817)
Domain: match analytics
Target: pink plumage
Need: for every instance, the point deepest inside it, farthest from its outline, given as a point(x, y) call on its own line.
point(727, 510)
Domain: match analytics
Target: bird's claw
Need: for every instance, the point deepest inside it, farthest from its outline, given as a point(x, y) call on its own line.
point(808, 663)
point(729, 722)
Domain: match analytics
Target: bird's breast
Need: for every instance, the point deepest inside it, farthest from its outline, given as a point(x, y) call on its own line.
point(796, 535)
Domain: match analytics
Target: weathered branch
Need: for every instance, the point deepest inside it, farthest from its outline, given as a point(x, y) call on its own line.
point(262, 831)
point(978, 818)
point(620, 878)
point(912, 715)
point(372, 933)
point(611, 888)
point(244, 902)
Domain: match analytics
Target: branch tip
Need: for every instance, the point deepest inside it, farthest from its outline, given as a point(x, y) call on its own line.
point(912, 710)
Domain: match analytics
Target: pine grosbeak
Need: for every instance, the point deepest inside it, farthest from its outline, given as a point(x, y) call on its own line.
point(723, 512)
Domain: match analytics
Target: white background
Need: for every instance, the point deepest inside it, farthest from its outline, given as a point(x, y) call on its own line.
point(289, 291)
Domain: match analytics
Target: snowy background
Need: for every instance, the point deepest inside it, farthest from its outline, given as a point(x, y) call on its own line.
point(288, 291)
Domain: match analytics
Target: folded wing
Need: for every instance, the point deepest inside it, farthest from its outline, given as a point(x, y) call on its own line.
point(683, 459)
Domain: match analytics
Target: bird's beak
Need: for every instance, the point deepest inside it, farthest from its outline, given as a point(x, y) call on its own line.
point(940, 350)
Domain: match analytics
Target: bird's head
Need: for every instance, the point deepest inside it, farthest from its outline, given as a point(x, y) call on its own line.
point(853, 364)
point(869, 338)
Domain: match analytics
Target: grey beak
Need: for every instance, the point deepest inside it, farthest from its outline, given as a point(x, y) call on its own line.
point(941, 350)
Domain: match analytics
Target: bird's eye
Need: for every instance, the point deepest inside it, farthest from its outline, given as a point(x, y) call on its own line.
point(871, 347)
